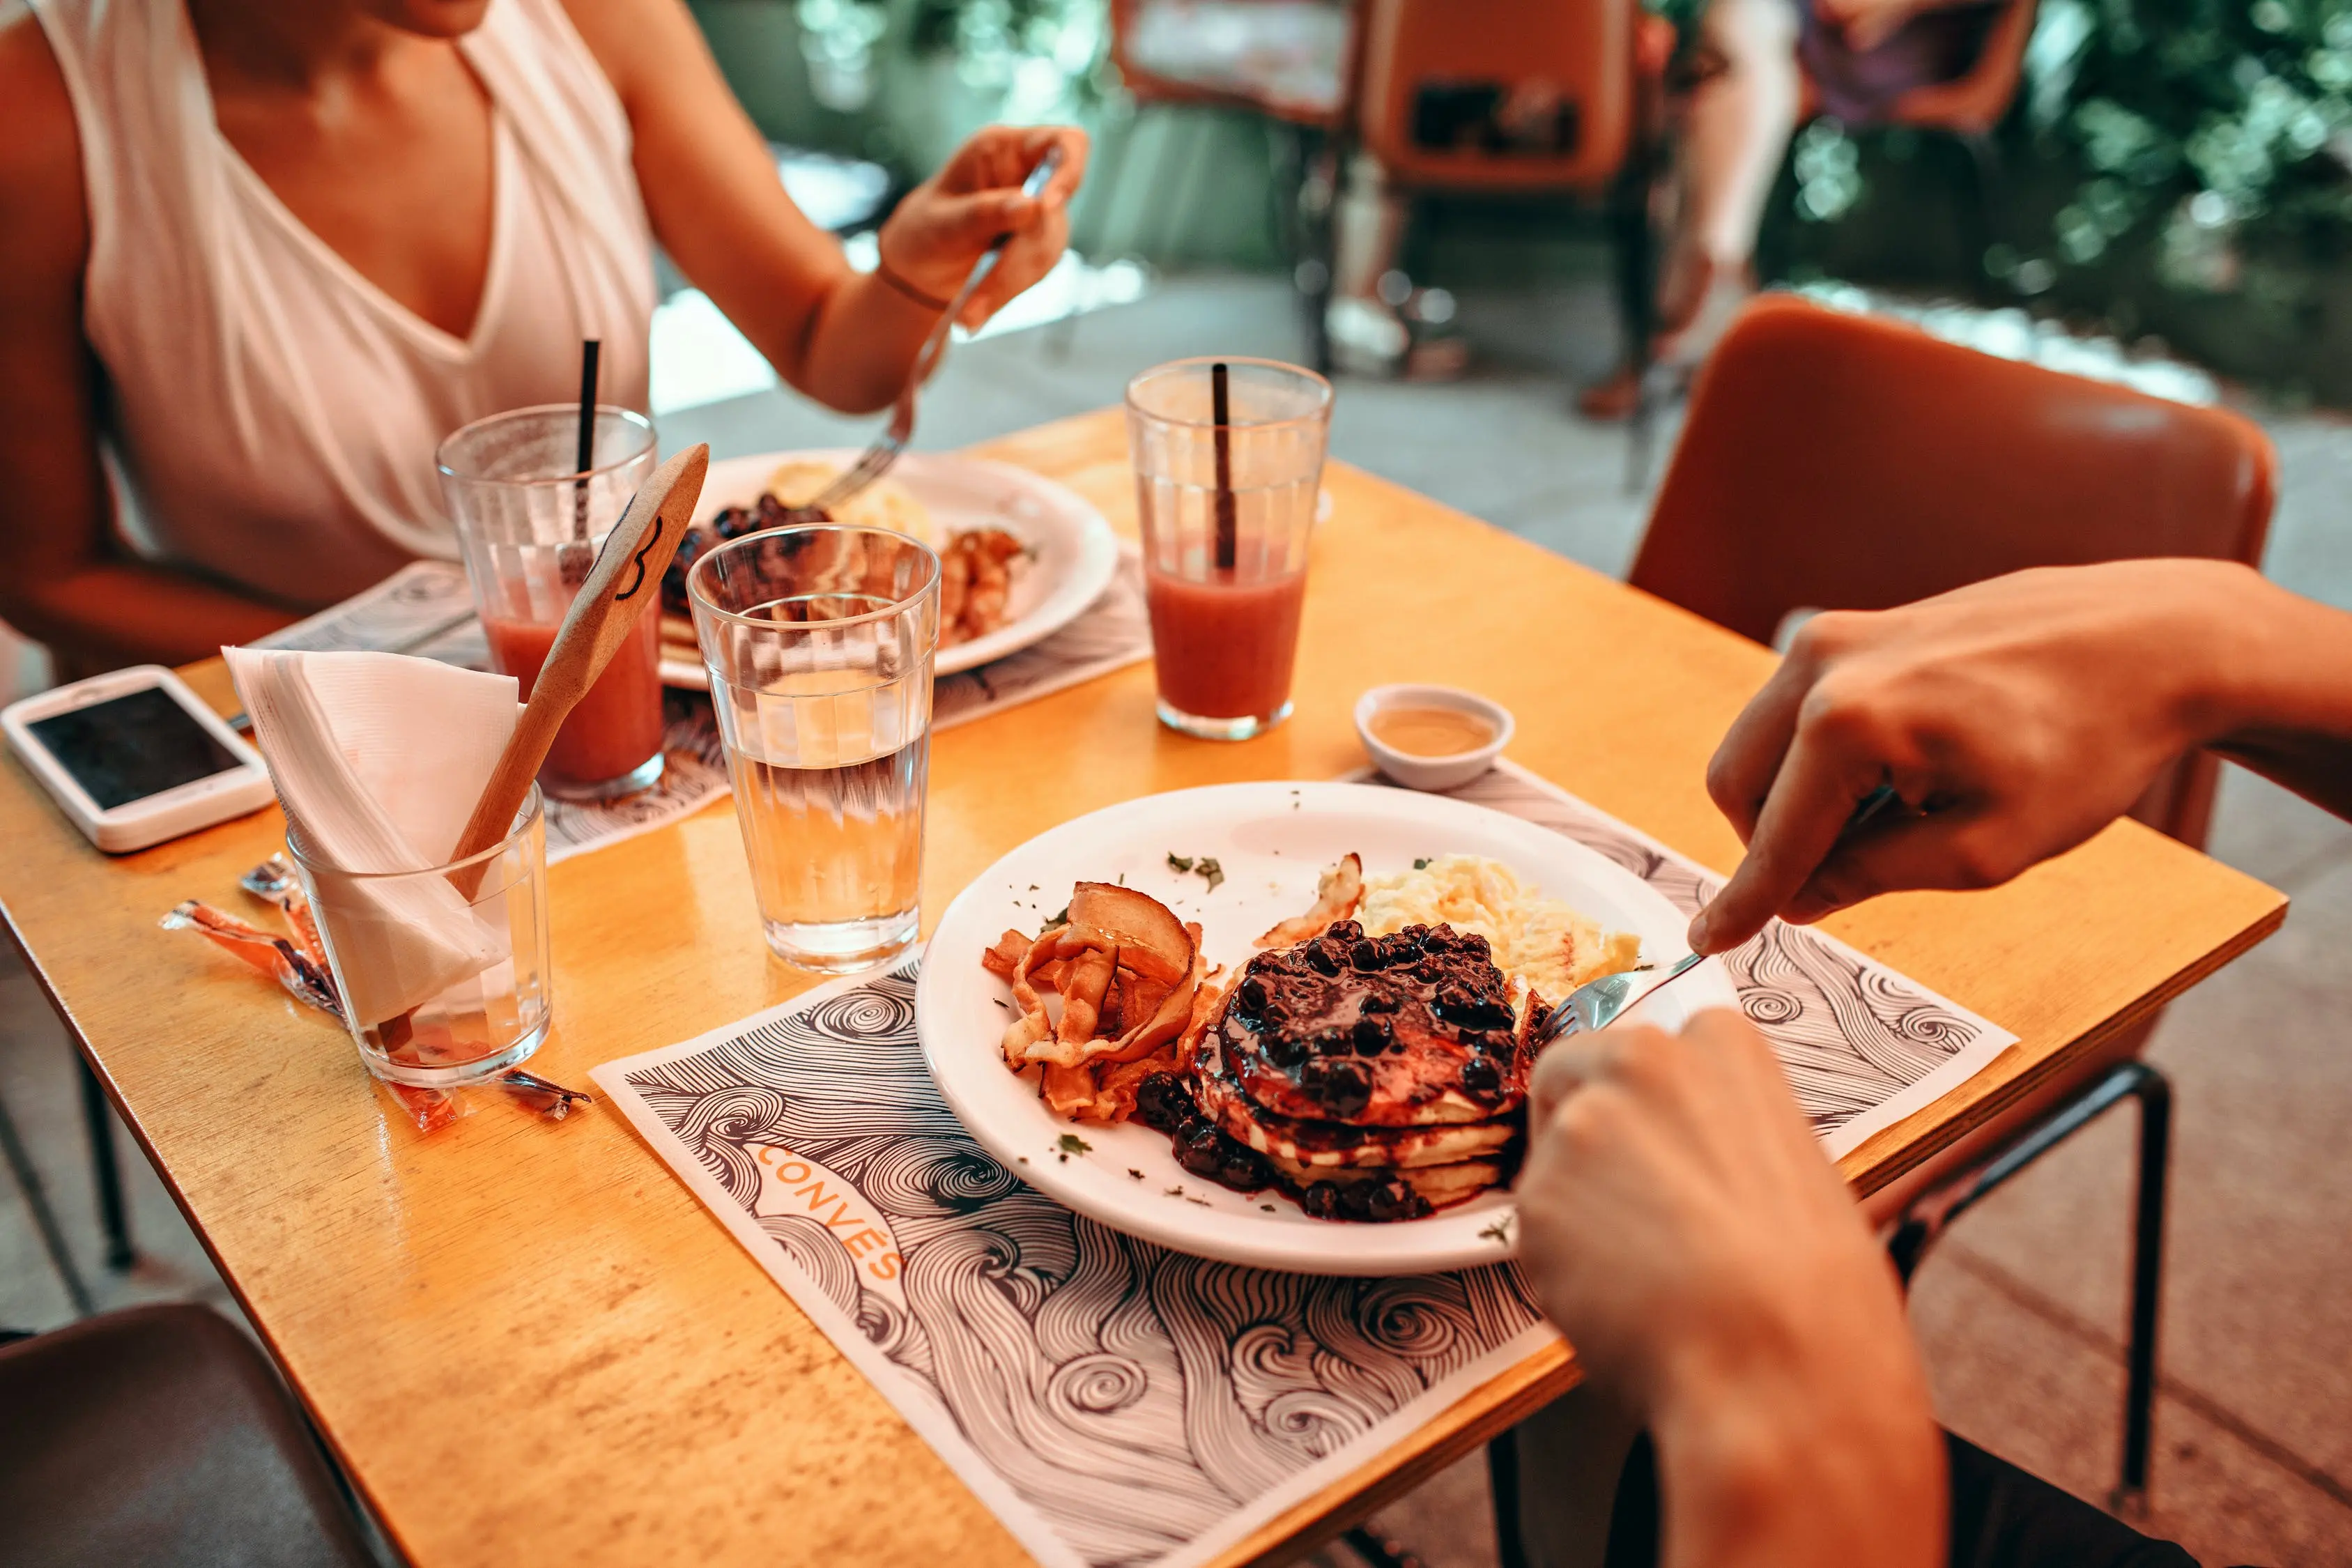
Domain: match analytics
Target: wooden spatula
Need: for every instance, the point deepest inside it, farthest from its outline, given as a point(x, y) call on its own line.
point(625, 583)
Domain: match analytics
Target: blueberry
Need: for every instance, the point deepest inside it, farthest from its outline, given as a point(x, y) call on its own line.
point(1380, 1002)
point(1285, 1050)
point(1321, 1200)
point(1481, 1076)
point(1324, 959)
point(1202, 1153)
point(1367, 956)
point(1344, 931)
point(1372, 1035)
point(1164, 1102)
point(1345, 1089)
point(1389, 1200)
point(1243, 1169)
point(1334, 1043)
point(1251, 995)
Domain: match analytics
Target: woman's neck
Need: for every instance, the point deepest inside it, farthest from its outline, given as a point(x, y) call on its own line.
point(302, 46)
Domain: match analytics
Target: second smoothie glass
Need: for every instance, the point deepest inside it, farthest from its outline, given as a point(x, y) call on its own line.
point(530, 522)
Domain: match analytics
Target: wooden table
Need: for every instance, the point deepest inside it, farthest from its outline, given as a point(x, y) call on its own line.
point(528, 1344)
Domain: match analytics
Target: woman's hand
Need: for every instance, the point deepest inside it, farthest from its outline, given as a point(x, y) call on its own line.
point(1864, 25)
point(2017, 718)
point(948, 222)
point(1678, 1222)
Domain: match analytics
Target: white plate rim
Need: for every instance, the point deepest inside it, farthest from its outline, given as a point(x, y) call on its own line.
point(1456, 1237)
point(1096, 560)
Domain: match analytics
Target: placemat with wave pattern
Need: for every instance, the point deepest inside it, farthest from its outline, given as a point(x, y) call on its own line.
point(1114, 1403)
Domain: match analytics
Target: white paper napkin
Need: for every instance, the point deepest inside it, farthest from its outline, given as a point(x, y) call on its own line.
point(378, 759)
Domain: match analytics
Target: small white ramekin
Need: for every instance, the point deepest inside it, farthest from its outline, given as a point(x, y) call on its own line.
point(1432, 772)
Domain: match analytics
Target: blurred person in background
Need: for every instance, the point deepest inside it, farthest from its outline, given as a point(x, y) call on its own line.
point(1677, 1219)
point(258, 256)
point(1379, 321)
point(1749, 70)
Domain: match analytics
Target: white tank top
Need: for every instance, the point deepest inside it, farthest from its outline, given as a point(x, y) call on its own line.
point(274, 413)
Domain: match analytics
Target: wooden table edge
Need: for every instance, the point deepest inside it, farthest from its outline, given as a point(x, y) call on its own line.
point(1884, 1157)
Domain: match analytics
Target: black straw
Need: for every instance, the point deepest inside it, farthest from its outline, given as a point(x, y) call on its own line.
point(1221, 412)
point(591, 349)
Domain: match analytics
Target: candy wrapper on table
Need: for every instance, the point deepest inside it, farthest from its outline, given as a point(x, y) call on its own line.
point(307, 980)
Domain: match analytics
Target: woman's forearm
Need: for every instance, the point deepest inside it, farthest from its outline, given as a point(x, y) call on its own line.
point(112, 613)
point(860, 344)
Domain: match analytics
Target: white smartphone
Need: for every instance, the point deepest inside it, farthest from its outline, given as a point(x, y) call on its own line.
point(134, 757)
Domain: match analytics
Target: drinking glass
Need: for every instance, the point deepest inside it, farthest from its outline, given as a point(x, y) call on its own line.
point(819, 642)
point(530, 522)
point(443, 971)
point(1227, 508)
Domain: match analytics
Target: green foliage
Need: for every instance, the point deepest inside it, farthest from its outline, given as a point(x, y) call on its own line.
point(2205, 128)
point(1040, 55)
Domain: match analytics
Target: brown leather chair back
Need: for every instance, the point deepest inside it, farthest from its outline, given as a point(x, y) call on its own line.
point(159, 1435)
point(1836, 462)
point(1498, 95)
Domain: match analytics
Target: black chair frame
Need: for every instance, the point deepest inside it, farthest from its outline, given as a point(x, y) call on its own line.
point(1933, 1213)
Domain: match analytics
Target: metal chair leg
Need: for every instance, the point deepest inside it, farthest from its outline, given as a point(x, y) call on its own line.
point(1503, 1482)
point(1379, 1551)
point(1320, 178)
point(44, 1218)
point(2155, 1094)
point(1985, 223)
point(105, 1170)
point(1933, 1213)
point(1637, 302)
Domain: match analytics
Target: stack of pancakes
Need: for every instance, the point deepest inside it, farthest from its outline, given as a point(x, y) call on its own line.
point(1381, 1077)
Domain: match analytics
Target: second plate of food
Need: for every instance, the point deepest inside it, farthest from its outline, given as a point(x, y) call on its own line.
point(1035, 554)
point(1348, 1098)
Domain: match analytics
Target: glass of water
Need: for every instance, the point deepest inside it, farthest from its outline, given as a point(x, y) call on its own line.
point(819, 641)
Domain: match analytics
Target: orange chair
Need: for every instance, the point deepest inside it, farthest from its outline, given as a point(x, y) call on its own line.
point(1834, 461)
point(1522, 96)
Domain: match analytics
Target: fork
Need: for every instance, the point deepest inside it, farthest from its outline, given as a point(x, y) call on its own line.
point(1598, 1003)
point(876, 460)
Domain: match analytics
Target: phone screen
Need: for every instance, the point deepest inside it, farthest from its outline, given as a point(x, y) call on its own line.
point(130, 747)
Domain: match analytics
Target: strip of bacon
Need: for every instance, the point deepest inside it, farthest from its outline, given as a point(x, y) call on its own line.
point(1337, 895)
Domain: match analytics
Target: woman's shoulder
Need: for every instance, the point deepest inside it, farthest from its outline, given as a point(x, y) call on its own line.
point(41, 199)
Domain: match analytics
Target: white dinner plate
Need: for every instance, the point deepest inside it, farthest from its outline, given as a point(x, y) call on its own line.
point(1273, 841)
point(1075, 553)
